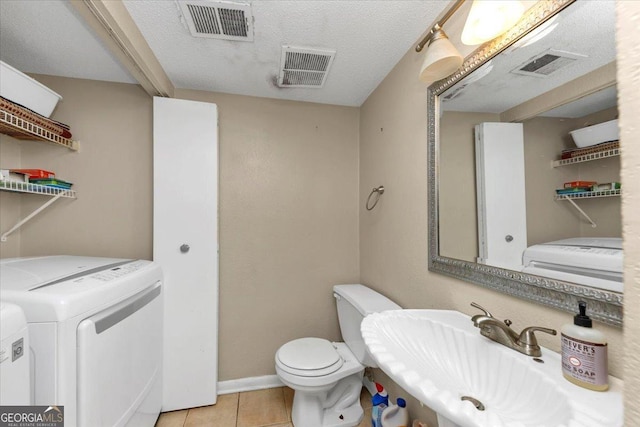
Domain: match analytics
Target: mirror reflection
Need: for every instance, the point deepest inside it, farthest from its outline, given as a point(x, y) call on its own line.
point(528, 154)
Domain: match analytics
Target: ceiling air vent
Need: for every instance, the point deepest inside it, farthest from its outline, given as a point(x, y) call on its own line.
point(547, 63)
point(218, 19)
point(304, 67)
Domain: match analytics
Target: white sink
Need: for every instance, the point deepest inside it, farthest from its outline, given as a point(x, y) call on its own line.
point(438, 356)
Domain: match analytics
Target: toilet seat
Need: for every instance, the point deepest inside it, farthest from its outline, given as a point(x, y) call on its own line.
point(309, 357)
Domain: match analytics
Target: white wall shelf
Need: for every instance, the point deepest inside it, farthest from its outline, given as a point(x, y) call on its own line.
point(26, 187)
point(587, 157)
point(23, 129)
point(589, 194)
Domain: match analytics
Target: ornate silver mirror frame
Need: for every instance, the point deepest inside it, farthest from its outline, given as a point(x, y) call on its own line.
point(603, 305)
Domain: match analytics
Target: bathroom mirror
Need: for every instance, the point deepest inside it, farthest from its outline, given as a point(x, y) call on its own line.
point(552, 73)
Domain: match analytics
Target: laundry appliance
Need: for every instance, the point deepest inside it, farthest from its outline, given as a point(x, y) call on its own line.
point(15, 380)
point(589, 261)
point(95, 330)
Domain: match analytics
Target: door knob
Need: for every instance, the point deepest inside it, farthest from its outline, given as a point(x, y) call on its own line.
point(184, 248)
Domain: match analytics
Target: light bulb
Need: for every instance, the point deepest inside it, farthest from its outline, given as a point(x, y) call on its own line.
point(489, 18)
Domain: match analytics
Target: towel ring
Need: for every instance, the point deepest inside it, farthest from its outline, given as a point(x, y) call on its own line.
point(379, 191)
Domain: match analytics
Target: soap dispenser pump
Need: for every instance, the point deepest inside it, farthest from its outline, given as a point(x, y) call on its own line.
point(584, 352)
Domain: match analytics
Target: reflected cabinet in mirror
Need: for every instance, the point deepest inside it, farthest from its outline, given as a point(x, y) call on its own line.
point(524, 163)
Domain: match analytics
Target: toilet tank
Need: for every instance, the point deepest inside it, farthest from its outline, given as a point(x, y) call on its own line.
point(354, 302)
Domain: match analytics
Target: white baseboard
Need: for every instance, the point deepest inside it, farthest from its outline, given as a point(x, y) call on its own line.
point(249, 384)
point(267, 381)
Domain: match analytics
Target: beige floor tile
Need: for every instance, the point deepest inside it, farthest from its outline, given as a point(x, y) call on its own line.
point(172, 419)
point(282, 425)
point(262, 408)
point(288, 400)
point(222, 414)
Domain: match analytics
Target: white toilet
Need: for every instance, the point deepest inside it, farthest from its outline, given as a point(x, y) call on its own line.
point(327, 377)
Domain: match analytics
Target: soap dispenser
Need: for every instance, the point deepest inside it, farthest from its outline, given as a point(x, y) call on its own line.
point(584, 352)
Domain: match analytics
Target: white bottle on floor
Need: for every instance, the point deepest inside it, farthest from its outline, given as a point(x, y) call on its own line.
point(396, 415)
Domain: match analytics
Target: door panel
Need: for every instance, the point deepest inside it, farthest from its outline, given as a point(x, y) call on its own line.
point(185, 135)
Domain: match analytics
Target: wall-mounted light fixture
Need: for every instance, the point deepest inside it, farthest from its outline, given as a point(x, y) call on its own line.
point(488, 19)
point(442, 58)
point(538, 34)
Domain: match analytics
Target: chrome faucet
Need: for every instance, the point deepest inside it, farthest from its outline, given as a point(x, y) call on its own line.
point(501, 332)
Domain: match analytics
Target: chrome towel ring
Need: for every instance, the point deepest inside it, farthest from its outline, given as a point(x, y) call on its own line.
point(379, 191)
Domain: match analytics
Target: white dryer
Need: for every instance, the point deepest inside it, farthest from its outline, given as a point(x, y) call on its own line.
point(15, 381)
point(95, 329)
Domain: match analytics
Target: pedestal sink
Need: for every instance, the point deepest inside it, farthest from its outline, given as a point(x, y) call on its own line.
point(440, 358)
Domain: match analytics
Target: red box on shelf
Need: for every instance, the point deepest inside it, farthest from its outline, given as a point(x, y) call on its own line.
point(574, 184)
point(35, 173)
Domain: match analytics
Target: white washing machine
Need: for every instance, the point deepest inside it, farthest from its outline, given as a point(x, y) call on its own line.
point(15, 381)
point(95, 329)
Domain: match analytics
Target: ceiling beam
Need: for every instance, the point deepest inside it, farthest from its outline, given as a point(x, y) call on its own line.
point(592, 82)
point(113, 24)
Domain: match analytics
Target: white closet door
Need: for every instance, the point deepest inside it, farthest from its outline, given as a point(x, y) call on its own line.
point(501, 198)
point(185, 244)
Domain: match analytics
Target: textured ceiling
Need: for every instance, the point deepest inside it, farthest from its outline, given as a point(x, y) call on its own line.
point(369, 37)
point(585, 28)
point(47, 37)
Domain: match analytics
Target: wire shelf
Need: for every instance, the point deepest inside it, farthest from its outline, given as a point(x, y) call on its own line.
point(587, 157)
point(26, 187)
point(23, 129)
point(589, 194)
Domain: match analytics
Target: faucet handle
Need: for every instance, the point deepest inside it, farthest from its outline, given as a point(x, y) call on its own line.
point(528, 337)
point(486, 313)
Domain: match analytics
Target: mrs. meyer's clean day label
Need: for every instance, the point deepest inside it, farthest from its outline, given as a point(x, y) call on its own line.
point(584, 353)
point(584, 361)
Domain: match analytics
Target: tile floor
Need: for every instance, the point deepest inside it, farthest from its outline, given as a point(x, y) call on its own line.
point(270, 407)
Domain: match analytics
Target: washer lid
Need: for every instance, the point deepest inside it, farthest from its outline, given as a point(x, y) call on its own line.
point(27, 274)
point(310, 354)
point(62, 287)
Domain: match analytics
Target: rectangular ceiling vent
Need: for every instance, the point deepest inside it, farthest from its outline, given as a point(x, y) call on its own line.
point(218, 19)
point(304, 67)
point(547, 63)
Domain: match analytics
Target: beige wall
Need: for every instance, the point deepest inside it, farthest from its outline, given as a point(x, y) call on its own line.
point(111, 172)
point(459, 228)
point(547, 219)
point(606, 212)
point(394, 236)
point(288, 223)
point(628, 16)
point(288, 206)
point(9, 202)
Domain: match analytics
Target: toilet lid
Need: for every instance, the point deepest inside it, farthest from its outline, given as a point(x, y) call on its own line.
point(309, 357)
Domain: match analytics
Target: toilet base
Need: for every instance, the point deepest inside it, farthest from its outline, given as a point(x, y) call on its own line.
point(337, 407)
